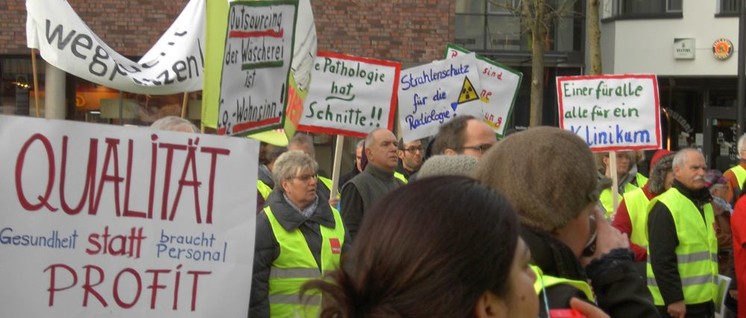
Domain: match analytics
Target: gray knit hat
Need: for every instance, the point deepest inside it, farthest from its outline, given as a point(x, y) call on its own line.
point(547, 173)
point(444, 165)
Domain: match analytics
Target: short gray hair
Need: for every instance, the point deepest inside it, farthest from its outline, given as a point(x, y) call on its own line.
point(172, 123)
point(370, 139)
point(303, 139)
point(680, 158)
point(289, 164)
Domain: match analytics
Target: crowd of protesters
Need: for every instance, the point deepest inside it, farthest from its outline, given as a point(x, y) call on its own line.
point(466, 225)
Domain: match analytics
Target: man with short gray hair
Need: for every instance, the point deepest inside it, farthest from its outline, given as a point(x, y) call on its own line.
point(682, 248)
point(376, 180)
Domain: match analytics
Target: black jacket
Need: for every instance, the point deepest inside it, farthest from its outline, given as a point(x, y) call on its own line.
point(267, 249)
point(662, 248)
point(620, 290)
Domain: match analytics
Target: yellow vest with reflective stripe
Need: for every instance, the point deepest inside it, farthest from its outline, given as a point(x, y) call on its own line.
point(263, 189)
point(740, 173)
point(546, 281)
point(296, 265)
point(607, 200)
point(696, 252)
point(401, 177)
point(637, 206)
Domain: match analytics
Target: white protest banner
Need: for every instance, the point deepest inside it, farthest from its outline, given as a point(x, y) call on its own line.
point(173, 65)
point(499, 88)
point(350, 95)
point(258, 52)
point(611, 112)
point(432, 94)
point(108, 221)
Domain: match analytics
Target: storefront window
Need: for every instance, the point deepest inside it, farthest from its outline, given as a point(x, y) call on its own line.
point(15, 86)
point(86, 101)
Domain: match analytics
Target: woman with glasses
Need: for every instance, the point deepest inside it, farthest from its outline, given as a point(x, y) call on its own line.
point(299, 237)
point(548, 176)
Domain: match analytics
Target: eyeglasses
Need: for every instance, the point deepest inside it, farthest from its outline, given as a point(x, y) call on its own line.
point(414, 149)
point(305, 177)
point(481, 148)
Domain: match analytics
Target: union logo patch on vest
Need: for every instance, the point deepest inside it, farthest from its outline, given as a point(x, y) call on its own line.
point(334, 243)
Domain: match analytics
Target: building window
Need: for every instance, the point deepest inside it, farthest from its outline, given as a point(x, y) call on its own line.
point(729, 7)
point(496, 25)
point(645, 9)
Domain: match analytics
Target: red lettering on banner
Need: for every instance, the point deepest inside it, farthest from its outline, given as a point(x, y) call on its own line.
point(111, 174)
point(92, 285)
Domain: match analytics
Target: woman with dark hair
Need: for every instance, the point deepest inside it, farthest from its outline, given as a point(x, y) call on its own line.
point(439, 247)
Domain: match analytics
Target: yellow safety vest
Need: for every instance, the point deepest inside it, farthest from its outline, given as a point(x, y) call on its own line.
point(296, 265)
point(637, 207)
point(263, 189)
point(696, 253)
point(740, 173)
point(401, 177)
point(642, 180)
point(545, 281)
point(608, 201)
point(328, 183)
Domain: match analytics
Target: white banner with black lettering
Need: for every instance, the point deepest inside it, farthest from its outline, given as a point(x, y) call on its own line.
point(174, 64)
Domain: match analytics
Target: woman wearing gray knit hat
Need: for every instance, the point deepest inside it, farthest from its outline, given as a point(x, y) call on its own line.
point(447, 165)
point(548, 175)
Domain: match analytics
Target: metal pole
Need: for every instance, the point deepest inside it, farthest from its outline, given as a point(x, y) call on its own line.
point(741, 66)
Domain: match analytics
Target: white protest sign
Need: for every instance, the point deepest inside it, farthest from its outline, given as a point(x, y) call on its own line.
point(108, 221)
point(432, 94)
point(499, 88)
point(174, 64)
point(611, 112)
point(350, 95)
point(258, 51)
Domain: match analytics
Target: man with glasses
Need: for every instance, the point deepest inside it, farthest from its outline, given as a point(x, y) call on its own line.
point(376, 180)
point(464, 135)
point(410, 159)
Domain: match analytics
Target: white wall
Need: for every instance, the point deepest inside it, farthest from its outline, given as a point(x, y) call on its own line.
point(646, 46)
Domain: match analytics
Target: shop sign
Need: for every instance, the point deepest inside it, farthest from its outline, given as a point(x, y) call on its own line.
point(722, 49)
point(683, 48)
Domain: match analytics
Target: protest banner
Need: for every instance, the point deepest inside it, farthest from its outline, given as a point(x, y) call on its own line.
point(256, 66)
point(173, 65)
point(107, 221)
point(432, 94)
point(350, 95)
point(304, 52)
point(499, 88)
point(611, 112)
